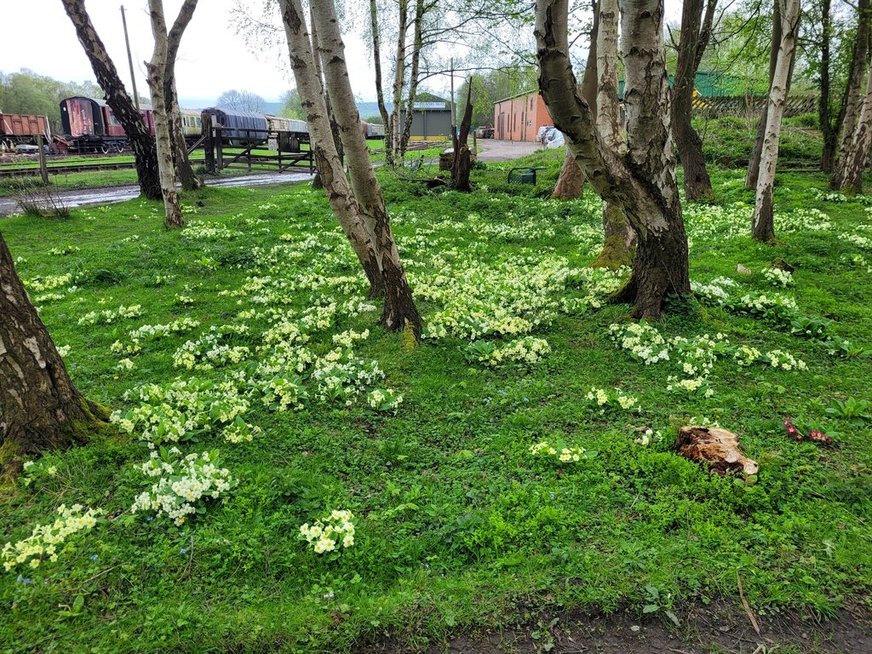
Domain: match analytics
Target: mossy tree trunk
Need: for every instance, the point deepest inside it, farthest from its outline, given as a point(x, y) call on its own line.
point(642, 183)
point(40, 408)
point(119, 101)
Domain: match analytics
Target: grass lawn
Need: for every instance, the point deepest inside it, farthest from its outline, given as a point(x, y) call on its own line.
point(260, 330)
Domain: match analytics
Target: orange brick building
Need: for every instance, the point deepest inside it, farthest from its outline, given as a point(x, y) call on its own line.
point(519, 118)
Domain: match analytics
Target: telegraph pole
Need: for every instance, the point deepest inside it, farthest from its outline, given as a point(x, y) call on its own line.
point(130, 59)
point(453, 117)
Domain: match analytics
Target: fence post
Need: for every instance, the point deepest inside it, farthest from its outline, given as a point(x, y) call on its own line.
point(219, 148)
point(43, 171)
point(208, 144)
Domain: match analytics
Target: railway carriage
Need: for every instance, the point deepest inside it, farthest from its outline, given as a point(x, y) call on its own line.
point(89, 125)
point(240, 128)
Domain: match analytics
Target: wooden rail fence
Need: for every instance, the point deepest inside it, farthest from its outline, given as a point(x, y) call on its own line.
point(235, 148)
point(751, 105)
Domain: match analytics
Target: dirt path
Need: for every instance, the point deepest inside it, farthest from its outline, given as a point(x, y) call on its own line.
point(719, 627)
point(493, 150)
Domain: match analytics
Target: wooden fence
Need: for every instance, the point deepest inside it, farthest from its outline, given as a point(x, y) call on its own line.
point(749, 105)
point(244, 148)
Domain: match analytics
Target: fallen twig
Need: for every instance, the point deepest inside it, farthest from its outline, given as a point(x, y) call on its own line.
point(747, 606)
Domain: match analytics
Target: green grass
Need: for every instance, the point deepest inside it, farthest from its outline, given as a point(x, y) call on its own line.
point(457, 524)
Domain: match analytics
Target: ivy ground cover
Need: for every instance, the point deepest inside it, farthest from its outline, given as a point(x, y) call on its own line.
point(282, 474)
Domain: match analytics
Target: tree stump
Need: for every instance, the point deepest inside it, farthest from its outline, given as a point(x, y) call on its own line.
point(717, 448)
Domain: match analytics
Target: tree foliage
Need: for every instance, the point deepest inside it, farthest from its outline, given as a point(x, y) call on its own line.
point(26, 92)
point(242, 101)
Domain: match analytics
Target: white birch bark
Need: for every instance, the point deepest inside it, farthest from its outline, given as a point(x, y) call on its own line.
point(853, 160)
point(156, 75)
point(618, 235)
point(400, 312)
point(763, 226)
point(646, 190)
point(304, 64)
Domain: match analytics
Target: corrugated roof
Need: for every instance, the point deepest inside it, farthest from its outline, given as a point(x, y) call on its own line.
point(517, 95)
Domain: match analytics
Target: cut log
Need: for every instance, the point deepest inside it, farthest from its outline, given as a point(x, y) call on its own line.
point(717, 448)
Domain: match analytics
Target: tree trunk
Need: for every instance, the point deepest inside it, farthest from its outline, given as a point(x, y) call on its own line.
point(413, 80)
point(763, 228)
point(643, 183)
point(618, 237)
point(316, 53)
point(461, 164)
point(570, 183)
point(400, 312)
point(393, 126)
point(312, 97)
point(849, 175)
point(156, 75)
point(695, 34)
point(825, 121)
point(189, 181)
point(122, 106)
point(853, 99)
point(774, 45)
point(376, 55)
point(40, 408)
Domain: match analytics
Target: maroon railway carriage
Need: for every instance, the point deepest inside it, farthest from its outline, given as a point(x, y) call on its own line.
point(90, 126)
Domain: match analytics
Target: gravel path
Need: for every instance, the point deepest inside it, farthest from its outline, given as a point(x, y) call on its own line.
point(492, 150)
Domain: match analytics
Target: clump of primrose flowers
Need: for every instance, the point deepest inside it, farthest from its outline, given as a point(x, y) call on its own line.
point(564, 454)
point(43, 542)
point(328, 534)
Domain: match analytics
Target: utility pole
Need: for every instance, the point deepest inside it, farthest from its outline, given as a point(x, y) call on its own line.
point(130, 59)
point(453, 117)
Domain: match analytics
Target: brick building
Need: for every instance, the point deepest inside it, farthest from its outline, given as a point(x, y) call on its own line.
point(519, 117)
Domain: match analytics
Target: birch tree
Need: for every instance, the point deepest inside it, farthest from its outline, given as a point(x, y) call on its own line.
point(642, 184)
point(400, 312)
point(119, 101)
point(570, 183)
point(184, 170)
point(376, 57)
point(417, 44)
point(305, 69)
point(618, 237)
point(392, 128)
point(762, 227)
point(853, 99)
point(848, 176)
point(40, 407)
point(696, 29)
point(156, 69)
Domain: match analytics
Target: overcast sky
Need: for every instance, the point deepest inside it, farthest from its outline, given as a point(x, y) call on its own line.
point(38, 35)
